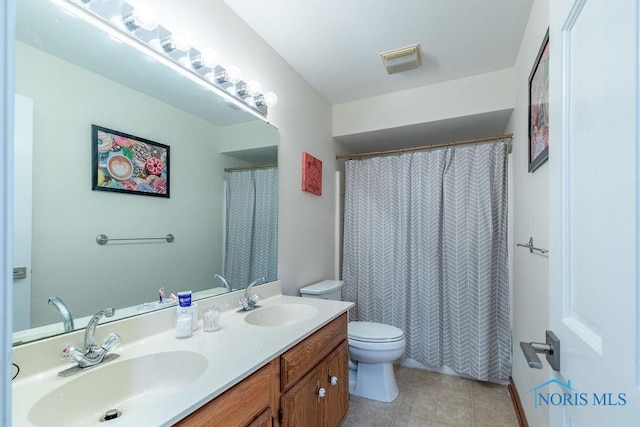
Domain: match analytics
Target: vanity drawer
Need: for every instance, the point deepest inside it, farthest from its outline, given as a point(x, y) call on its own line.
point(245, 404)
point(295, 363)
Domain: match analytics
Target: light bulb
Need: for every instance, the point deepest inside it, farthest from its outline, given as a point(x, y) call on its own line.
point(181, 40)
point(145, 17)
point(270, 99)
point(253, 87)
point(234, 75)
point(209, 58)
point(142, 16)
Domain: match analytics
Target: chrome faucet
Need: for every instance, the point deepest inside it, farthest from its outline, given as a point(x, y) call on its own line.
point(248, 302)
point(67, 320)
point(224, 281)
point(91, 355)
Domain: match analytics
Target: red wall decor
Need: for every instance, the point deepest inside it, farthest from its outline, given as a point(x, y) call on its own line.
point(311, 174)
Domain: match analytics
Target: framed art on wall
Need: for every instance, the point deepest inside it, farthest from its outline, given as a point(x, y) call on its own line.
point(125, 163)
point(539, 108)
point(311, 174)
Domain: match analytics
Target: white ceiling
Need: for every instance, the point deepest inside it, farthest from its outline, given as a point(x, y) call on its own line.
point(335, 44)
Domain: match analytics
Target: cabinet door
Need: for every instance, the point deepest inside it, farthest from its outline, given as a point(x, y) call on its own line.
point(263, 420)
point(239, 405)
point(336, 402)
point(302, 404)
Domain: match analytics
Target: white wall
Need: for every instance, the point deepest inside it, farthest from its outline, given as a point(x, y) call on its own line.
point(303, 117)
point(68, 215)
point(469, 96)
point(530, 288)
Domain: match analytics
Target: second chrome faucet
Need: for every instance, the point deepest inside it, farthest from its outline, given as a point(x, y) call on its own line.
point(248, 302)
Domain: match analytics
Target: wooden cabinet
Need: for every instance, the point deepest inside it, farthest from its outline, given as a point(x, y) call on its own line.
point(300, 405)
point(337, 391)
point(306, 386)
point(296, 362)
point(263, 420)
point(242, 405)
point(315, 379)
point(320, 398)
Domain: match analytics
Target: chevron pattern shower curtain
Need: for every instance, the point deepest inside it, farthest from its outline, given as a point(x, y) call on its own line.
point(425, 250)
point(251, 236)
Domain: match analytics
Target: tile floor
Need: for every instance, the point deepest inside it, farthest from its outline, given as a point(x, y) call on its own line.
point(428, 399)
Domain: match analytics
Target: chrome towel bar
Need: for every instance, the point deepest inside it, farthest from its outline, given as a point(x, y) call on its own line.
point(103, 239)
point(531, 247)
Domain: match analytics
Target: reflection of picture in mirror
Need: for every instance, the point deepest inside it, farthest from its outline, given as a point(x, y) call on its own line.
point(129, 164)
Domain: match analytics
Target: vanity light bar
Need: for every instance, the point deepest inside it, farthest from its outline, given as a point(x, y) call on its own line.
point(251, 104)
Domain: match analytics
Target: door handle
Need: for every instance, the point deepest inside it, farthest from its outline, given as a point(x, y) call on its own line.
point(551, 348)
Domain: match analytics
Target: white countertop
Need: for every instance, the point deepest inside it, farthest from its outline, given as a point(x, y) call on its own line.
point(234, 352)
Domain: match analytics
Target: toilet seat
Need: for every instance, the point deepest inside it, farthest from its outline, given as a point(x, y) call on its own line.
point(372, 332)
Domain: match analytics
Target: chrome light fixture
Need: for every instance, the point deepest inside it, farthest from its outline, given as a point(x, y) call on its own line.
point(403, 59)
point(139, 27)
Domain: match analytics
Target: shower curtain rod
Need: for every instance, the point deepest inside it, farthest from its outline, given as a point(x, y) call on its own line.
point(427, 147)
point(246, 168)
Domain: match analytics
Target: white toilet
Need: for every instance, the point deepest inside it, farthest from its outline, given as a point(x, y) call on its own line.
point(372, 348)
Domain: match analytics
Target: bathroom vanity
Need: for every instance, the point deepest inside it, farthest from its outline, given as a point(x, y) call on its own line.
point(285, 363)
point(306, 386)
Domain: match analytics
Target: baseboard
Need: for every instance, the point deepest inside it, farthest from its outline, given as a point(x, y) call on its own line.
point(517, 404)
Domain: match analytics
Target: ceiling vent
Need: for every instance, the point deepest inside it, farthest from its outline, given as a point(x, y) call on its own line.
point(403, 59)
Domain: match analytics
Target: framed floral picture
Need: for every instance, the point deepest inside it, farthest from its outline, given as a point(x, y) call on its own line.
point(311, 174)
point(125, 163)
point(539, 108)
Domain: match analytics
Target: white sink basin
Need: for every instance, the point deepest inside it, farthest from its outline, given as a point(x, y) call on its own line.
point(129, 386)
point(281, 315)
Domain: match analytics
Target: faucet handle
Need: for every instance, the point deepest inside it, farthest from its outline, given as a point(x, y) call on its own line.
point(255, 298)
point(71, 354)
point(111, 342)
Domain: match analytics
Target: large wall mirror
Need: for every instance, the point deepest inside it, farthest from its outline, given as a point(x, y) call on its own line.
point(223, 172)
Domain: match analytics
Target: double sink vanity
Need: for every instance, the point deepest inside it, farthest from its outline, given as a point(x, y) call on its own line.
point(283, 363)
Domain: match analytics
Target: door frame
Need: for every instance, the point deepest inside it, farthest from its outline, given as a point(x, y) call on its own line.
point(7, 18)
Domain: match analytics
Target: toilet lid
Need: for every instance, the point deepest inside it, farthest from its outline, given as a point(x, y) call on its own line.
point(374, 332)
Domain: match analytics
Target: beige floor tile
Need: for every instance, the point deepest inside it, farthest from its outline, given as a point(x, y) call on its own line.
point(454, 397)
point(430, 399)
point(497, 407)
point(374, 416)
point(496, 416)
point(485, 391)
point(422, 377)
point(451, 382)
point(355, 403)
point(410, 420)
point(426, 391)
point(419, 405)
point(455, 415)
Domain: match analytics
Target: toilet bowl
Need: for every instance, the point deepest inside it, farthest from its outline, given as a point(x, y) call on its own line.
point(372, 348)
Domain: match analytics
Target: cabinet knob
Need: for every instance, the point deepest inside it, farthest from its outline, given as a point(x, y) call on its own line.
point(321, 392)
point(334, 380)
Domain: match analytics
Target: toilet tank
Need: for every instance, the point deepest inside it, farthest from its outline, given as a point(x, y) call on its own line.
point(327, 289)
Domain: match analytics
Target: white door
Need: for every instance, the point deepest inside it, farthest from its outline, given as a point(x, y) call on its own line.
point(593, 178)
point(22, 203)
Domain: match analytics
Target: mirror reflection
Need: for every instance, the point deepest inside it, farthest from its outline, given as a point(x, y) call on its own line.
point(224, 222)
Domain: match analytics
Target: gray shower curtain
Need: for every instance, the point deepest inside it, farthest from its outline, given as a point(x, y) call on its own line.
point(251, 236)
point(425, 249)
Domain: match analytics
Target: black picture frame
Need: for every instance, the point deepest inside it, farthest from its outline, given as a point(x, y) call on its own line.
point(124, 163)
point(539, 108)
